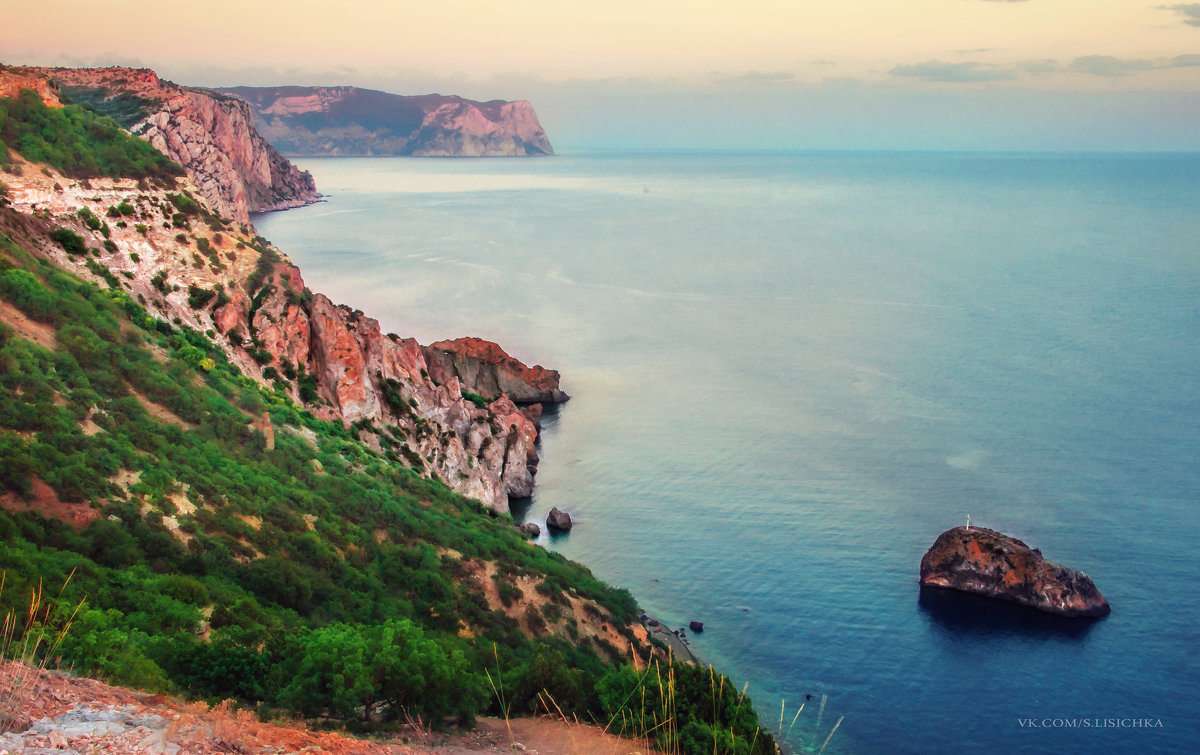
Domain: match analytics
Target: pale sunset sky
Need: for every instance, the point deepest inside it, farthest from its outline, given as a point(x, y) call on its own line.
point(791, 74)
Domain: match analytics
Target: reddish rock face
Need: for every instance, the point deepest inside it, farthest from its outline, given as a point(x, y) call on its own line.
point(990, 563)
point(232, 316)
point(282, 325)
point(12, 81)
point(340, 362)
point(484, 368)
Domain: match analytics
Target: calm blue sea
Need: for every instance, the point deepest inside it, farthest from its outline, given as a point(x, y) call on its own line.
point(791, 372)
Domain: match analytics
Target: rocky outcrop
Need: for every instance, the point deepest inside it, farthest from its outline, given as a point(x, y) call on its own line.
point(211, 135)
point(12, 81)
point(990, 563)
point(349, 121)
point(484, 368)
point(558, 520)
point(530, 529)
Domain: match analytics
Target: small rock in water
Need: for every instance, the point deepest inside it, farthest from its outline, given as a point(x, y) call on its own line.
point(530, 529)
point(696, 626)
point(559, 520)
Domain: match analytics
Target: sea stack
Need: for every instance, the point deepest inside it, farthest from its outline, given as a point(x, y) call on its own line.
point(990, 563)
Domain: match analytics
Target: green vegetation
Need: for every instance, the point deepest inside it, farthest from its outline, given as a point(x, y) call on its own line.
point(476, 399)
point(347, 589)
point(125, 109)
point(77, 142)
point(70, 241)
point(318, 577)
point(199, 297)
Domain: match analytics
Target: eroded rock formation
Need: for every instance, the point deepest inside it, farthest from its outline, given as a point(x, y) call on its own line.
point(990, 563)
point(484, 368)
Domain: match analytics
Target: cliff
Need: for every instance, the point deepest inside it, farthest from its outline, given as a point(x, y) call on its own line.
point(211, 135)
point(349, 121)
point(187, 265)
point(990, 563)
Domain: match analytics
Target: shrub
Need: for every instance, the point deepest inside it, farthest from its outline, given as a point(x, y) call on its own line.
point(199, 297)
point(78, 142)
point(70, 241)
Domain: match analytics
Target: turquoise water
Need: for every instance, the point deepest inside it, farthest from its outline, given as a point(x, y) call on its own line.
point(790, 372)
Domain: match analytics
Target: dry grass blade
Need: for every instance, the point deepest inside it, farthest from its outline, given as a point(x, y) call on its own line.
point(499, 692)
point(30, 648)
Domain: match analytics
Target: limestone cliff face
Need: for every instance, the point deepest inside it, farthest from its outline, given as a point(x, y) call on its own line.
point(351, 121)
point(211, 135)
point(333, 360)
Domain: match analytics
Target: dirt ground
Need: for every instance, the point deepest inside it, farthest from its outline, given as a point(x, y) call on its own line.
point(51, 710)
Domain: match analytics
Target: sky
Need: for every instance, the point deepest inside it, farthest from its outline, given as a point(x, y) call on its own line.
point(687, 74)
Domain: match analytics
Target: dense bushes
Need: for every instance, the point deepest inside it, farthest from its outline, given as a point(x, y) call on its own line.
point(78, 142)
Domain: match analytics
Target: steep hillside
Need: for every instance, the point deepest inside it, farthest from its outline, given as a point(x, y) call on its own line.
point(231, 488)
point(211, 135)
point(349, 121)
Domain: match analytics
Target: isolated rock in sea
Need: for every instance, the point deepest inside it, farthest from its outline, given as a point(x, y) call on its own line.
point(990, 563)
point(530, 529)
point(559, 520)
point(696, 626)
point(484, 368)
point(349, 121)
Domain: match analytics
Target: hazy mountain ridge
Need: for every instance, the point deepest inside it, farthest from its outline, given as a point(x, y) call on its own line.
point(350, 121)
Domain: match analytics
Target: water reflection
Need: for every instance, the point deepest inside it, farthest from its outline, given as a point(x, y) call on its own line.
point(966, 615)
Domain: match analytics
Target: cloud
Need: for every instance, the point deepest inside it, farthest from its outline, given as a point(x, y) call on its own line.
point(959, 73)
point(1049, 65)
point(754, 79)
point(767, 76)
point(1189, 11)
point(1107, 65)
point(1184, 61)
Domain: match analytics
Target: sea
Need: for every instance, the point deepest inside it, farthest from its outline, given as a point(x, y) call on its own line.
point(791, 371)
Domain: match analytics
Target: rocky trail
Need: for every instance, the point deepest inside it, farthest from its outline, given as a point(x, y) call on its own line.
point(49, 712)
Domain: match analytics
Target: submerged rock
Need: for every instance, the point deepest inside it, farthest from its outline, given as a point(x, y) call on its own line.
point(559, 520)
point(990, 563)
